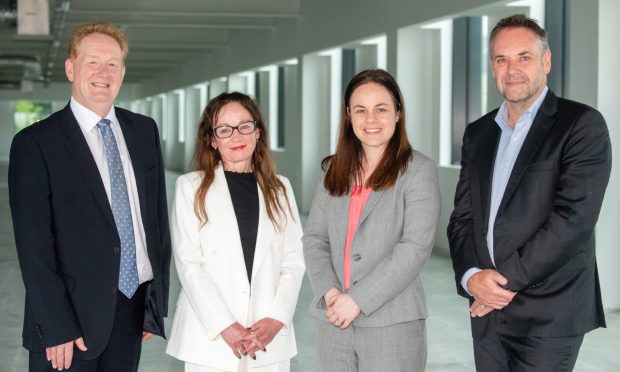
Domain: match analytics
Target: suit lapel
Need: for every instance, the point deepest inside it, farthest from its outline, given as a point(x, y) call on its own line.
point(83, 160)
point(264, 236)
point(128, 127)
point(227, 220)
point(543, 121)
point(373, 198)
point(485, 160)
point(342, 205)
point(342, 211)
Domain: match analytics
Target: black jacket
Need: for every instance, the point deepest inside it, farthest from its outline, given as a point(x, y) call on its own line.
point(544, 230)
point(66, 238)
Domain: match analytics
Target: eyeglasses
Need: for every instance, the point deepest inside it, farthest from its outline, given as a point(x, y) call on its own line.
point(225, 130)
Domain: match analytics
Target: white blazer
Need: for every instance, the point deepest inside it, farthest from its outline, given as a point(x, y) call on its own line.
point(215, 288)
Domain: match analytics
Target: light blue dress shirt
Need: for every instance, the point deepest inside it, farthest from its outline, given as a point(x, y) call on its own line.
point(510, 144)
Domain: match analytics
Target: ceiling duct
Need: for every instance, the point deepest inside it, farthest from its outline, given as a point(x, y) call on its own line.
point(33, 17)
point(8, 14)
point(18, 72)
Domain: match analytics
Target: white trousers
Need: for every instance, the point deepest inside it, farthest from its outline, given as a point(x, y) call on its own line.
point(243, 367)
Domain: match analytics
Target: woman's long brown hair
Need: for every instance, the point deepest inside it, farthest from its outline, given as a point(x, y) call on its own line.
point(206, 158)
point(344, 169)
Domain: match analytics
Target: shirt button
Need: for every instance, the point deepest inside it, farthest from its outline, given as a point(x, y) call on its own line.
point(113, 289)
point(117, 250)
point(357, 257)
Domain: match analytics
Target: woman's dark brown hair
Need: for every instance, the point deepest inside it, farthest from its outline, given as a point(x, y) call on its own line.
point(344, 169)
point(206, 158)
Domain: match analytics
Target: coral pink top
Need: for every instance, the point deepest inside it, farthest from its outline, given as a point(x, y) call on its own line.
point(359, 197)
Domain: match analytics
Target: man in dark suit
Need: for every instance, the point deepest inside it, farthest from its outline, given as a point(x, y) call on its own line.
point(533, 176)
point(88, 201)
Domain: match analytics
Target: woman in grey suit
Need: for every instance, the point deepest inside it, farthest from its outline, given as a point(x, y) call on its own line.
point(370, 230)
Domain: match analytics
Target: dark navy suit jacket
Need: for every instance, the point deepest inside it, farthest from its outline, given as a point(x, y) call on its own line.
point(544, 230)
point(67, 242)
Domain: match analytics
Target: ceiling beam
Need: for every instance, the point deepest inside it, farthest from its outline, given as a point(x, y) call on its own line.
point(154, 13)
point(196, 26)
point(177, 46)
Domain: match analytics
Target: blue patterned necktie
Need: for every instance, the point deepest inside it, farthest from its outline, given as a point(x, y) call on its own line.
point(128, 277)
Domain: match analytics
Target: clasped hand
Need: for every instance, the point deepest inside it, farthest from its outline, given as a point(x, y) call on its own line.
point(341, 308)
point(487, 288)
point(247, 341)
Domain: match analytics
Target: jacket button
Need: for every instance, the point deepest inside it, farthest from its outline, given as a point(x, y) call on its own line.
point(357, 257)
point(117, 250)
point(113, 289)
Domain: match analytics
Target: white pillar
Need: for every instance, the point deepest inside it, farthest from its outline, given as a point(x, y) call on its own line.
point(608, 234)
point(316, 123)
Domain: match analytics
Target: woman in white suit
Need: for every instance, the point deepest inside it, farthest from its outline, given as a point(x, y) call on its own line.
point(236, 239)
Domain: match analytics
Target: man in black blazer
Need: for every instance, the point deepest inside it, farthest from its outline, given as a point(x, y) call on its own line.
point(88, 201)
point(533, 176)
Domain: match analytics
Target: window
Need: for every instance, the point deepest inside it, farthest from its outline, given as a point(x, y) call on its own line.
point(181, 114)
point(468, 65)
point(28, 112)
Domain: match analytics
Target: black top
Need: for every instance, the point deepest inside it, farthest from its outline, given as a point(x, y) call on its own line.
point(244, 194)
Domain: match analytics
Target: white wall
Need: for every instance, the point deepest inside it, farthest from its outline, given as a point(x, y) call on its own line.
point(315, 121)
point(583, 52)
point(418, 73)
point(419, 70)
point(196, 97)
point(174, 152)
point(7, 128)
point(288, 159)
point(608, 234)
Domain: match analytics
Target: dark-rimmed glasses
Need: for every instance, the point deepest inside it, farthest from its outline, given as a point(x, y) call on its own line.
point(225, 131)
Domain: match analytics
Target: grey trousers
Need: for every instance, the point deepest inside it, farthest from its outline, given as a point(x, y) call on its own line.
point(395, 348)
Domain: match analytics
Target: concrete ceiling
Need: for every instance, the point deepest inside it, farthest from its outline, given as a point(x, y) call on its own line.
point(162, 34)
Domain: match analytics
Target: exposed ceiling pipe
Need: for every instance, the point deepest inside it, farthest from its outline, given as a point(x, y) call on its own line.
point(8, 13)
point(58, 24)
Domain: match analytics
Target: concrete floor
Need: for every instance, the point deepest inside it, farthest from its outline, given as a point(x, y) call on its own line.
point(449, 337)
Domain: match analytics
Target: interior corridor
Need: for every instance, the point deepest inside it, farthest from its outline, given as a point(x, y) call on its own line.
point(449, 337)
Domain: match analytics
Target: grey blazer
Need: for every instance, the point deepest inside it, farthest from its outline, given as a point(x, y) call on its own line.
point(393, 240)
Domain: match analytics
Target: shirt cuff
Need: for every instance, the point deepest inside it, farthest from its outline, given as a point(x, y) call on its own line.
point(466, 277)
